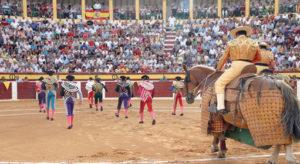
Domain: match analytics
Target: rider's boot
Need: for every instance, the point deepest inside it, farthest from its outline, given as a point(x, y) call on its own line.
point(221, 104)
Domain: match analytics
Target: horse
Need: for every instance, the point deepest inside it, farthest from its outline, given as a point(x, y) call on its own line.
point(200, 79)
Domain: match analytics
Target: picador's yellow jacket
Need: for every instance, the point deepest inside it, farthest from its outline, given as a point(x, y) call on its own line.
point(242, 48)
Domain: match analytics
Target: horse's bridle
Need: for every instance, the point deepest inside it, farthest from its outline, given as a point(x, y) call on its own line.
point(196, 91)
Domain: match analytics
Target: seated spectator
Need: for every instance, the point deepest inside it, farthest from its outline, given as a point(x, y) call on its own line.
point(41, 8)
point(11, 7)
point(288, 6)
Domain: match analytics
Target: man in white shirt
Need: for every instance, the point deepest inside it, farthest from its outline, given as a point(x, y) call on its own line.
point(89, 87)
point(97, 6)
point(172, 21)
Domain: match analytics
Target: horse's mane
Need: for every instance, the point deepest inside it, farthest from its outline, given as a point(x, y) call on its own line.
point(203, 67)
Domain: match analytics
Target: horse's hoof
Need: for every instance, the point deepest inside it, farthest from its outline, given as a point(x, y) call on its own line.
point(214, 149)
point(221, 155)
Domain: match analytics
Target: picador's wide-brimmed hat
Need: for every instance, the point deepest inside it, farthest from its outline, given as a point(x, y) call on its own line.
point(178, 78)
point(263, 45)
point(145, 77)
point(70, 77)
point(247, 29)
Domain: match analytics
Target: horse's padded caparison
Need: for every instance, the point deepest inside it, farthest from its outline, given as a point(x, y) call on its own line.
point(257, 103)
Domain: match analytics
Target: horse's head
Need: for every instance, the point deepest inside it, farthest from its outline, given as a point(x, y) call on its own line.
point(193, 81)
point(189, 85)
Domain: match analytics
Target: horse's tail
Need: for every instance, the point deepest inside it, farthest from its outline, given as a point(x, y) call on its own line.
point(291, 112)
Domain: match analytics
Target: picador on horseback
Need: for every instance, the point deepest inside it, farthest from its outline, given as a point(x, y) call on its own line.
point(266, 63)
point(242, 51)
point(253, 106)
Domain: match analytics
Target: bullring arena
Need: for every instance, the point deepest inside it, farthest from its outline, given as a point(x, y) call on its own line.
point(26, 136)
point(100, 137)
point(149, 53)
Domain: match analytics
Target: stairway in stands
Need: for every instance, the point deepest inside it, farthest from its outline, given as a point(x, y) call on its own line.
point(169, 41)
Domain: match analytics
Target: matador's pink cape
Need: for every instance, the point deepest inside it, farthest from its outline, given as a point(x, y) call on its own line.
point(146, 90)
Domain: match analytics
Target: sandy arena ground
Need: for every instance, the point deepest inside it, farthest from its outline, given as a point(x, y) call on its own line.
point(26, 136)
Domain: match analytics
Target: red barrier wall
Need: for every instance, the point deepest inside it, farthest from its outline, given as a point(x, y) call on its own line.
point(111, 89)
point(58, 91)
point(5, 93)
point(83, 90)
point(26, 90)
point(162, 89)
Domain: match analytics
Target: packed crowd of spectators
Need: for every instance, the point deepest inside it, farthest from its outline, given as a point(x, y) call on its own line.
point(27, 46)
point(202, 42)
point(83, 47)
point(202, 9)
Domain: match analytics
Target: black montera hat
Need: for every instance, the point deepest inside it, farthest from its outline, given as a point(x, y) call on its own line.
point(70, 77)
point(123, 78)
point(98, 79)
point(41, 78)
point(50, 72)
point(145, 77)
point(178, 78)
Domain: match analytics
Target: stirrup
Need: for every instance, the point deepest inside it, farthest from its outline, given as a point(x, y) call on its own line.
point(213, 108)
point(222, 111)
